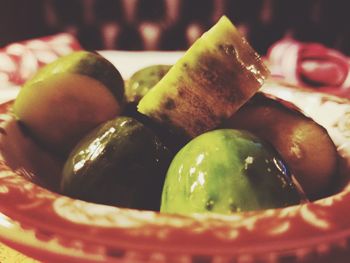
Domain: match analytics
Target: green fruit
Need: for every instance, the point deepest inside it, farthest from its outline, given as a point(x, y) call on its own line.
point(227, 171)
point(143, 80)
point(304, 145)
point(68, 98)
point(209, 83)
point(120, 163)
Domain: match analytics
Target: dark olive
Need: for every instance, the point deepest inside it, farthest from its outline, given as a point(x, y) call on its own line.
point(121, 163)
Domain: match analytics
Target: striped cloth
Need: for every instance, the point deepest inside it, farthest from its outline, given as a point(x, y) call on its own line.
point(19, 61)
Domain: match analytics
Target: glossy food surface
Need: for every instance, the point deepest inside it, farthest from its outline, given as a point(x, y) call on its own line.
point(216, 75)
point(227, 171)
point(68, 98)
point(304, 145)
point(120, 163)
point(143, 80)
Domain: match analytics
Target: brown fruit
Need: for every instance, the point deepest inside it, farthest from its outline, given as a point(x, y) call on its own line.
point(304, 145)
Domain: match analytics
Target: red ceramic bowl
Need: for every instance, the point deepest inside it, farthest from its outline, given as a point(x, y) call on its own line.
point(55, 228)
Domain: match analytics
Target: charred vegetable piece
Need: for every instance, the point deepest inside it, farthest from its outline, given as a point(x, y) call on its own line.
point(143, 80)
point(304, 145)
point(227, 171)
point(120, 163)
point(209, 83)
point(68, 98)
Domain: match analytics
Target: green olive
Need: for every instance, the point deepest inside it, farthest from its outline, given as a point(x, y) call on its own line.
point(227, 171)
point(143, 80)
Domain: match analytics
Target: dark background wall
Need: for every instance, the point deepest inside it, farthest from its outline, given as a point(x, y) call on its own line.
point(175, 24)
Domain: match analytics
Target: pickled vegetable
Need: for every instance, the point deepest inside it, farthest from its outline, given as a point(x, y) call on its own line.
point(121, 163)
point(143, 80)
point(218, 74)
point(68, 98)
point(304, 145)
point(227, 171)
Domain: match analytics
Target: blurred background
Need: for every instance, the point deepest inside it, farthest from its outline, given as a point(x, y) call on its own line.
point(175, 24)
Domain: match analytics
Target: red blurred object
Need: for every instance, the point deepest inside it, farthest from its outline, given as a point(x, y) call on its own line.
point(310, 65)
point(19, 61)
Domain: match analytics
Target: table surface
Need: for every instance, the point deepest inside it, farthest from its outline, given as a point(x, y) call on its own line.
point(8, 255)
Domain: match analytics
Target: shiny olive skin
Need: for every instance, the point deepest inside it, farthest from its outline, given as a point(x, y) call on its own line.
point(305, 146)
point(69, 97)
point(120, 163)
point(227, 171)
point(143, 80)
